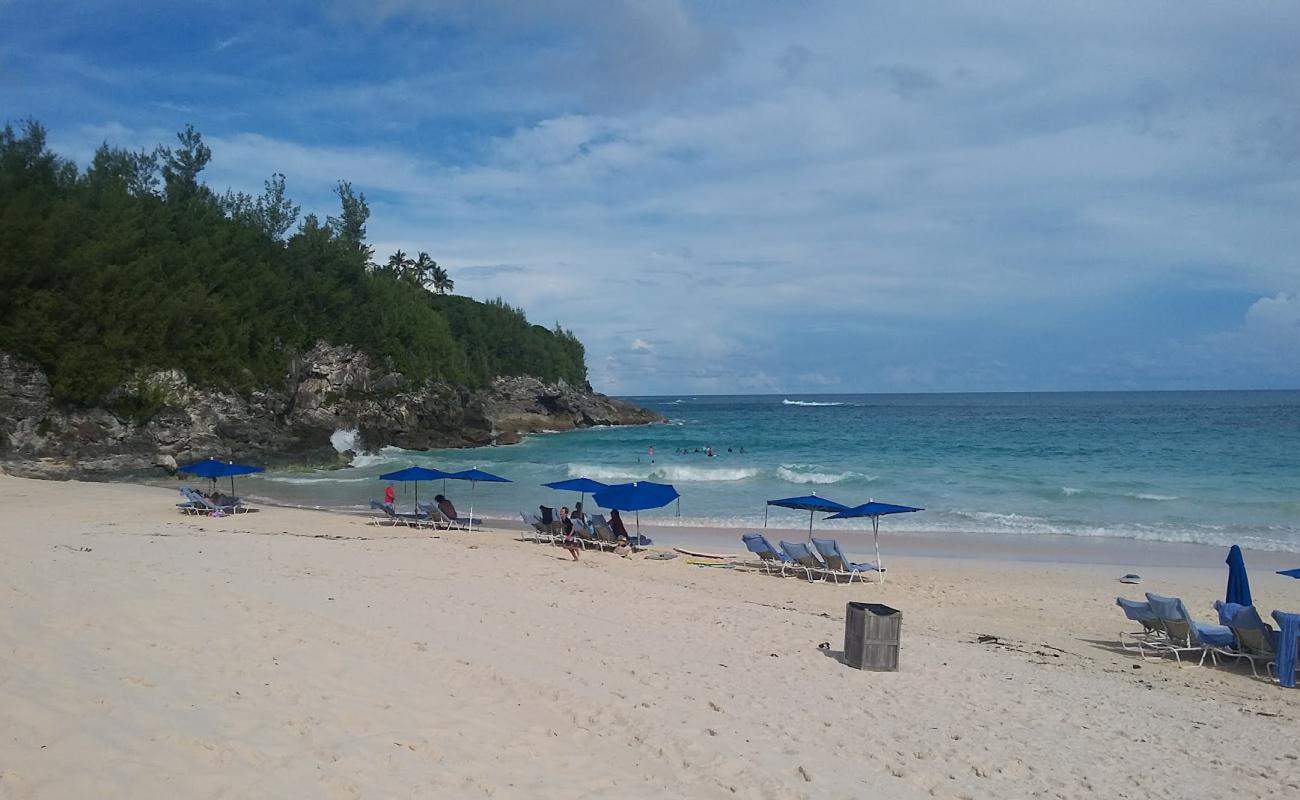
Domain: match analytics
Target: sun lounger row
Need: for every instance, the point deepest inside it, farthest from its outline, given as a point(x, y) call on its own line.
point(196, 504)
point(1169, 629)
point(427, 515)
point(827, 563)
point(597, 535)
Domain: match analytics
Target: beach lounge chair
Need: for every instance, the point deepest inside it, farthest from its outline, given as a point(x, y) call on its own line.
point(1184, 634)
point(603, 532)
point(837, 566)
point(803, 558)
point(1256, 640)
point(1140, 612)
point(769, 558)
point(202, 505)
point(583, 534)
point(190, 506)
point(541, 532)
point(442, 521)
point(388, 517)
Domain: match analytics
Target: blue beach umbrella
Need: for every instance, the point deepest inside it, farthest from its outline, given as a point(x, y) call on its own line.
point(1290, 573)
point(583, 486)
point(875, 511)
point(414, 475)
point(474, 476)
point(213, 468)
point(636, 497)
point(810, 503)
point(1238, 584)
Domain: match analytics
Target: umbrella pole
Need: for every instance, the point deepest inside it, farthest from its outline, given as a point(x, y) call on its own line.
point(875, 530)
point(810, 517)
point(469, 524)
point(635, 545)
point(765, 510)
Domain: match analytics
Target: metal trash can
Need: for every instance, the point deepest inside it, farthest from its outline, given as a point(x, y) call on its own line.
point(871, 635)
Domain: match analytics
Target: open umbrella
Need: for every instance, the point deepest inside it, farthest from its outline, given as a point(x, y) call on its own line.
point(414, 475)
point(875, 511)
point(474, 476)
point(1290, 573)
point(810, 503)
point(636, 497)
point(213, 468)
point(583, 486)
point(1238, 584)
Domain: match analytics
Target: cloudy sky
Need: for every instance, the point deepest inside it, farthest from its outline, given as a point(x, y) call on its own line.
point(746, 196)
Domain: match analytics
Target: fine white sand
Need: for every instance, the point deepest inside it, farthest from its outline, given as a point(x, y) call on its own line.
point(300, 654)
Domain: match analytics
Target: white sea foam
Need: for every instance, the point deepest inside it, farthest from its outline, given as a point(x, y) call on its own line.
point(1148, 496)
point(694, 474)
point(811, 473)
point(1070, 491)
point(661, 472)
point(808, 403)
point(603, 473)
point(299, 481)
point(385, 456)
point(346, 439)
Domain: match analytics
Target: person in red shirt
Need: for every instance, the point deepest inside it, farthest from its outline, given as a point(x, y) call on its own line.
point(389, 496)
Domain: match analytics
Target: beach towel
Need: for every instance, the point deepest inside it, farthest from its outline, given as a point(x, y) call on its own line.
point(1286, 646)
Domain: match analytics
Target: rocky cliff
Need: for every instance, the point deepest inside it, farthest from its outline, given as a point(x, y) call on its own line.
point(327, 389)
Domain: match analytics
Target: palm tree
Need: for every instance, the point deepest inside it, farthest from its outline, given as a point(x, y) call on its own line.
point(442, 282)
point(396, 263)
point(424, 268)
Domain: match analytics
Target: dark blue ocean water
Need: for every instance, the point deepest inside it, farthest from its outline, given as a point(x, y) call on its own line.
point(1210, 467)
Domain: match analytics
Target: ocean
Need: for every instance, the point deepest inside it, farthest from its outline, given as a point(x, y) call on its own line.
point(1206, 467)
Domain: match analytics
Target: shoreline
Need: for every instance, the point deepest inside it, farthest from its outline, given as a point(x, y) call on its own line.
point(1026, 547)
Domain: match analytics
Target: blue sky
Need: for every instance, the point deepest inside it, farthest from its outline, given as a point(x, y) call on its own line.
point(761, 196)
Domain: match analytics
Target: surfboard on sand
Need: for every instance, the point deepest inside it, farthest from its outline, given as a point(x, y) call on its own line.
point(701, 554)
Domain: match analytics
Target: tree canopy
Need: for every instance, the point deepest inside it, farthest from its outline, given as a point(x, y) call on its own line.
point(134, 265)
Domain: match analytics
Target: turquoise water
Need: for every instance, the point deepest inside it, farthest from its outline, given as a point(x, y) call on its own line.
point(1208, 467)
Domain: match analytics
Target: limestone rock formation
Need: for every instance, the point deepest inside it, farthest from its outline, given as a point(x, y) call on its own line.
point(326, 389)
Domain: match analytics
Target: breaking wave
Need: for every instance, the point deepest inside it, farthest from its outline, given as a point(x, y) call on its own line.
point(811, 473)
point(665, 472)
point(809, 403)
point(299, 481)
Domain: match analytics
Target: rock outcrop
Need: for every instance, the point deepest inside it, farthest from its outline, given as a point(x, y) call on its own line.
point(327, 389)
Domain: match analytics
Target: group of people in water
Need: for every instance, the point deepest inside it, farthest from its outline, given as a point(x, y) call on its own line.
point(708, 451)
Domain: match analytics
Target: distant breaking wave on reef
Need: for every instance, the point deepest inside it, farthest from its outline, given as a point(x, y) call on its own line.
point(809, 403)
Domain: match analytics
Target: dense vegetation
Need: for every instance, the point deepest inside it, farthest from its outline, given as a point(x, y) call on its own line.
point(134, 265)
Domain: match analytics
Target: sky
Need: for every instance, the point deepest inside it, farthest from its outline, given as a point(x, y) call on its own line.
point(742, 196)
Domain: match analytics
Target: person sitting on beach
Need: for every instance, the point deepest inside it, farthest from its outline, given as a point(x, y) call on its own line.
point(579, 515)
point(616, 525)
point(445, 506)
point(389, 496)
point(568, 541)
point(623, 548)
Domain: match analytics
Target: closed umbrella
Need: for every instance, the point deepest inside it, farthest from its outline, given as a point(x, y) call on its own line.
point(1238, 584)
point(875, 511)
point(810, 503)
point(474, 476)
point(636, 497)
point(414, 475)
point(213, 468)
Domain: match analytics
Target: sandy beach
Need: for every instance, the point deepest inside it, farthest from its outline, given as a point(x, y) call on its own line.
point(292, 653)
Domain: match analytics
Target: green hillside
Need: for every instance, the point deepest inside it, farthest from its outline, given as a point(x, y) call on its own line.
point(134, 264)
